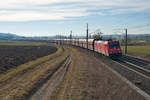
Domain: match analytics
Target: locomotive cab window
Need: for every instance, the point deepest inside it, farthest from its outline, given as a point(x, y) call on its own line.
point(114, 44)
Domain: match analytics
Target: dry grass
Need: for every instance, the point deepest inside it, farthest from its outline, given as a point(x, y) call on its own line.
point(72, 88)
point(139, 51)
point(28, 81)
point(89, 79)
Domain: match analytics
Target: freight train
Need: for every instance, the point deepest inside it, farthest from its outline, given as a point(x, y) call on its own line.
point(108, 48)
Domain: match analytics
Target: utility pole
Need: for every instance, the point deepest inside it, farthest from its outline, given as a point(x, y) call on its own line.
point(87, 31)
point(71, 37)
point(59, 39)
point(126, 39)
point(78, 42)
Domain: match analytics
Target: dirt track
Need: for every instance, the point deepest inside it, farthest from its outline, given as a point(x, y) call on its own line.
point(23, 84)
point(89, 79)
point(86, 79)
point(47, 89)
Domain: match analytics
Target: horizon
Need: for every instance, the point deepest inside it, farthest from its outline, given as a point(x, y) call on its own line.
point(50, 36)
point(50, 18)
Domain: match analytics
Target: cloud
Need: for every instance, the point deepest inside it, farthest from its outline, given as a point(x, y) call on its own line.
point(27, 16)
point(29, 10)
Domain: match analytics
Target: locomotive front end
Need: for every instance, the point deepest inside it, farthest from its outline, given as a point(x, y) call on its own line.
point(114, 49)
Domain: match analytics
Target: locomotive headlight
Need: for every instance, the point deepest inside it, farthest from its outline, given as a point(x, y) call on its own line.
point(118, 49)
point(111, 50)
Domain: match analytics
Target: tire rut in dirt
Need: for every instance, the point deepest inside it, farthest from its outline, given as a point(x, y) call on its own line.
point(45, 91)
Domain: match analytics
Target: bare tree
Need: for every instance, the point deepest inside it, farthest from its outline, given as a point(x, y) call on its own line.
point(97, 34)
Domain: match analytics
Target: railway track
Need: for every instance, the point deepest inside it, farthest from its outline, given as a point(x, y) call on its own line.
point(137, 61)
point(139, 66)
point(136, 70)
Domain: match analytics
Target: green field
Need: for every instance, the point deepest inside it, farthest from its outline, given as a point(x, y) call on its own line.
point(23, 43)
point(138, 49)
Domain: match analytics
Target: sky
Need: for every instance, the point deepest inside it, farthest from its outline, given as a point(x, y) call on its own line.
point(59, 17)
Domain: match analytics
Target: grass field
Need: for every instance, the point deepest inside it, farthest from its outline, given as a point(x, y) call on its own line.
point(29, 76)
point(138, 49)
point(7, 75)
point(23, 43)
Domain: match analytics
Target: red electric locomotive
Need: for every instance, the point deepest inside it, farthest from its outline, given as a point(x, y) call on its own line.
point(108, 48)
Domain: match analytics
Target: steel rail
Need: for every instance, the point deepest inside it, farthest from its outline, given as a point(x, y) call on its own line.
point(139, 73)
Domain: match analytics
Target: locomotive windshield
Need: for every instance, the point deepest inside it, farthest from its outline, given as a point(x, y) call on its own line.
point(114, 44)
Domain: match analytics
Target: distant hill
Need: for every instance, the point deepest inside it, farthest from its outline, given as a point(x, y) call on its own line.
point(129, 36)
point(112, 36)
point(8, 36)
